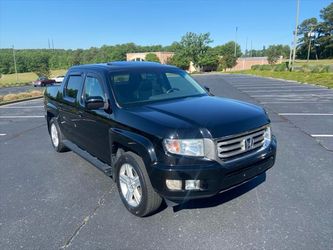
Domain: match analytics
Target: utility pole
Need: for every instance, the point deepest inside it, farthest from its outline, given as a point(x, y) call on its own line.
point(52, 44)
point(48, 41)
point(246, 52)
point(309, 48)
point(251, 49)
point(15, 64)
point(236, 42)
point(295, 36)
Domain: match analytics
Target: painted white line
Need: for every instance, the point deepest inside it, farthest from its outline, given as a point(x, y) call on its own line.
point(20, 116)
point(299, 95)
point(278, 86)
point(3, 134)
point(307, 114)
point(322, 135)
point(284, 90)
point(261, 87)
point(21, 107)
point(296, 102)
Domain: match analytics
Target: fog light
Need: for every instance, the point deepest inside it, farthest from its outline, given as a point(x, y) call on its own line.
point(174, 184)
point(192, 184)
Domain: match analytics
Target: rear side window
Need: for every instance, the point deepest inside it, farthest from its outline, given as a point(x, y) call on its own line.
point(73, 86)
point(93, 87)
point(120, 79)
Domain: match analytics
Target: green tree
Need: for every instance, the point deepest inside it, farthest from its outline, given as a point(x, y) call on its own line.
point(180, 60)
point(274, 52)
point(227, 62)
point(194, 46)
point(209, 60)
point(228, 49)
point(40, 65)
point(307, 29)
point(151, 57)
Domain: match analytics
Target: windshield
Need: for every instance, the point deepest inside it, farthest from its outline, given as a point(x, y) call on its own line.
point(136, 87)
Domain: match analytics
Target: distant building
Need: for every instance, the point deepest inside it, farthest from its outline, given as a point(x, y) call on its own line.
point(246, 62)
point(162, 56)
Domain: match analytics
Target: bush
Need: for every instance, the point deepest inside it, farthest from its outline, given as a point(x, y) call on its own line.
point(280, 67)
point(277, 67)
point(266, 67)
point(255, 67)
point(315, 68)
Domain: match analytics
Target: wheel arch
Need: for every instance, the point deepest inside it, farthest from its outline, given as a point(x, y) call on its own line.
point(123, 141)
point(51, 111)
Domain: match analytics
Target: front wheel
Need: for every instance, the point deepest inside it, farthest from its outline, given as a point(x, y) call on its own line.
point(134, 185)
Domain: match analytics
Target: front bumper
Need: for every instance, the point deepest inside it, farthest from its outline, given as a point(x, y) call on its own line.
point(215, 176)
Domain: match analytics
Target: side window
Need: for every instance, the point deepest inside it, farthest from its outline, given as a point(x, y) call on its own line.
point(93, 87)
point(73, 86)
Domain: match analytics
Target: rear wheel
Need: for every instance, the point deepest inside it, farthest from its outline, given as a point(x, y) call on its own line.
point(56, 136)
point(134, 185)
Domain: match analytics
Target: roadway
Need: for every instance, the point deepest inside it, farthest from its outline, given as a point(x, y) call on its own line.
point(50, 200)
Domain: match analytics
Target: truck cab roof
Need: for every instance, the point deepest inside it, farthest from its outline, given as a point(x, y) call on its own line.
point(124, 65)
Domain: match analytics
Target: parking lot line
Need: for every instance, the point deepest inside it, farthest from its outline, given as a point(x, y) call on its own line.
point(3, 134)
point(322, 135)
point(296, 102)
point(21, 107)
point(283, 90)
point(310, 114)
point(20, 116)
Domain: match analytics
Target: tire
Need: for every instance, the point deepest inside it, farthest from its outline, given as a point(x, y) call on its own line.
point(56, 136)
point(150, 201)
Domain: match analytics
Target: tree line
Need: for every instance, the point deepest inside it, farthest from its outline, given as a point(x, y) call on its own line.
point(192, 47)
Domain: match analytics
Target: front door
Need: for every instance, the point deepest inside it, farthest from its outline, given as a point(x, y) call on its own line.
point(94, 124)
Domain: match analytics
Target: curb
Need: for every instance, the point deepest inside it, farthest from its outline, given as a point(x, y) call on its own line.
point(21, 100)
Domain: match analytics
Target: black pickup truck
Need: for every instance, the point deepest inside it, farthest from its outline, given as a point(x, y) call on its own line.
point(157, 132)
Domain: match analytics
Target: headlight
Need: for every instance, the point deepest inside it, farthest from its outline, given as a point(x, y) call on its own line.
point(191, 147)
point(267, 136)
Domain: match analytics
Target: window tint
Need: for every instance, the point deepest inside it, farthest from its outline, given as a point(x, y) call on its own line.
point(121, 78)
point(93, 87)
point(73, 85)
point(153, 85)
point(179, 82)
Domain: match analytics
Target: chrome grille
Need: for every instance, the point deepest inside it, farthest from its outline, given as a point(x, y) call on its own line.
point(238, 144)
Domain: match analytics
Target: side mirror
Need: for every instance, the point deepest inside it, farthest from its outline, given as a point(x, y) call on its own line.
point(208, 90)
point(94, 102)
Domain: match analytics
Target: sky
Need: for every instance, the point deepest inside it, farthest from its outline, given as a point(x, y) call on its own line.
point(73, 24)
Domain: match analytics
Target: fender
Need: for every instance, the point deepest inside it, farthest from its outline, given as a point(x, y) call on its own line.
point(51, 108)
point(136, 143)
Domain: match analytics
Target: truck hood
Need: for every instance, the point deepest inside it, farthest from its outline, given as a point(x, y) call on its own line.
point(195, 117)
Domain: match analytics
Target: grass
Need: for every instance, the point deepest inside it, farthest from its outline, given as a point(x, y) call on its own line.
point(20, 96)
point(9, 80)
point(323, 79)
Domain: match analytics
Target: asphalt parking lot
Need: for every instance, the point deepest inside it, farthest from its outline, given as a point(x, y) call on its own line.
point(50, 200)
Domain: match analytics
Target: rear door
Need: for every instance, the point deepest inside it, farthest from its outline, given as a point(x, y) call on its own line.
point(70, 108)
point(94, 124)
